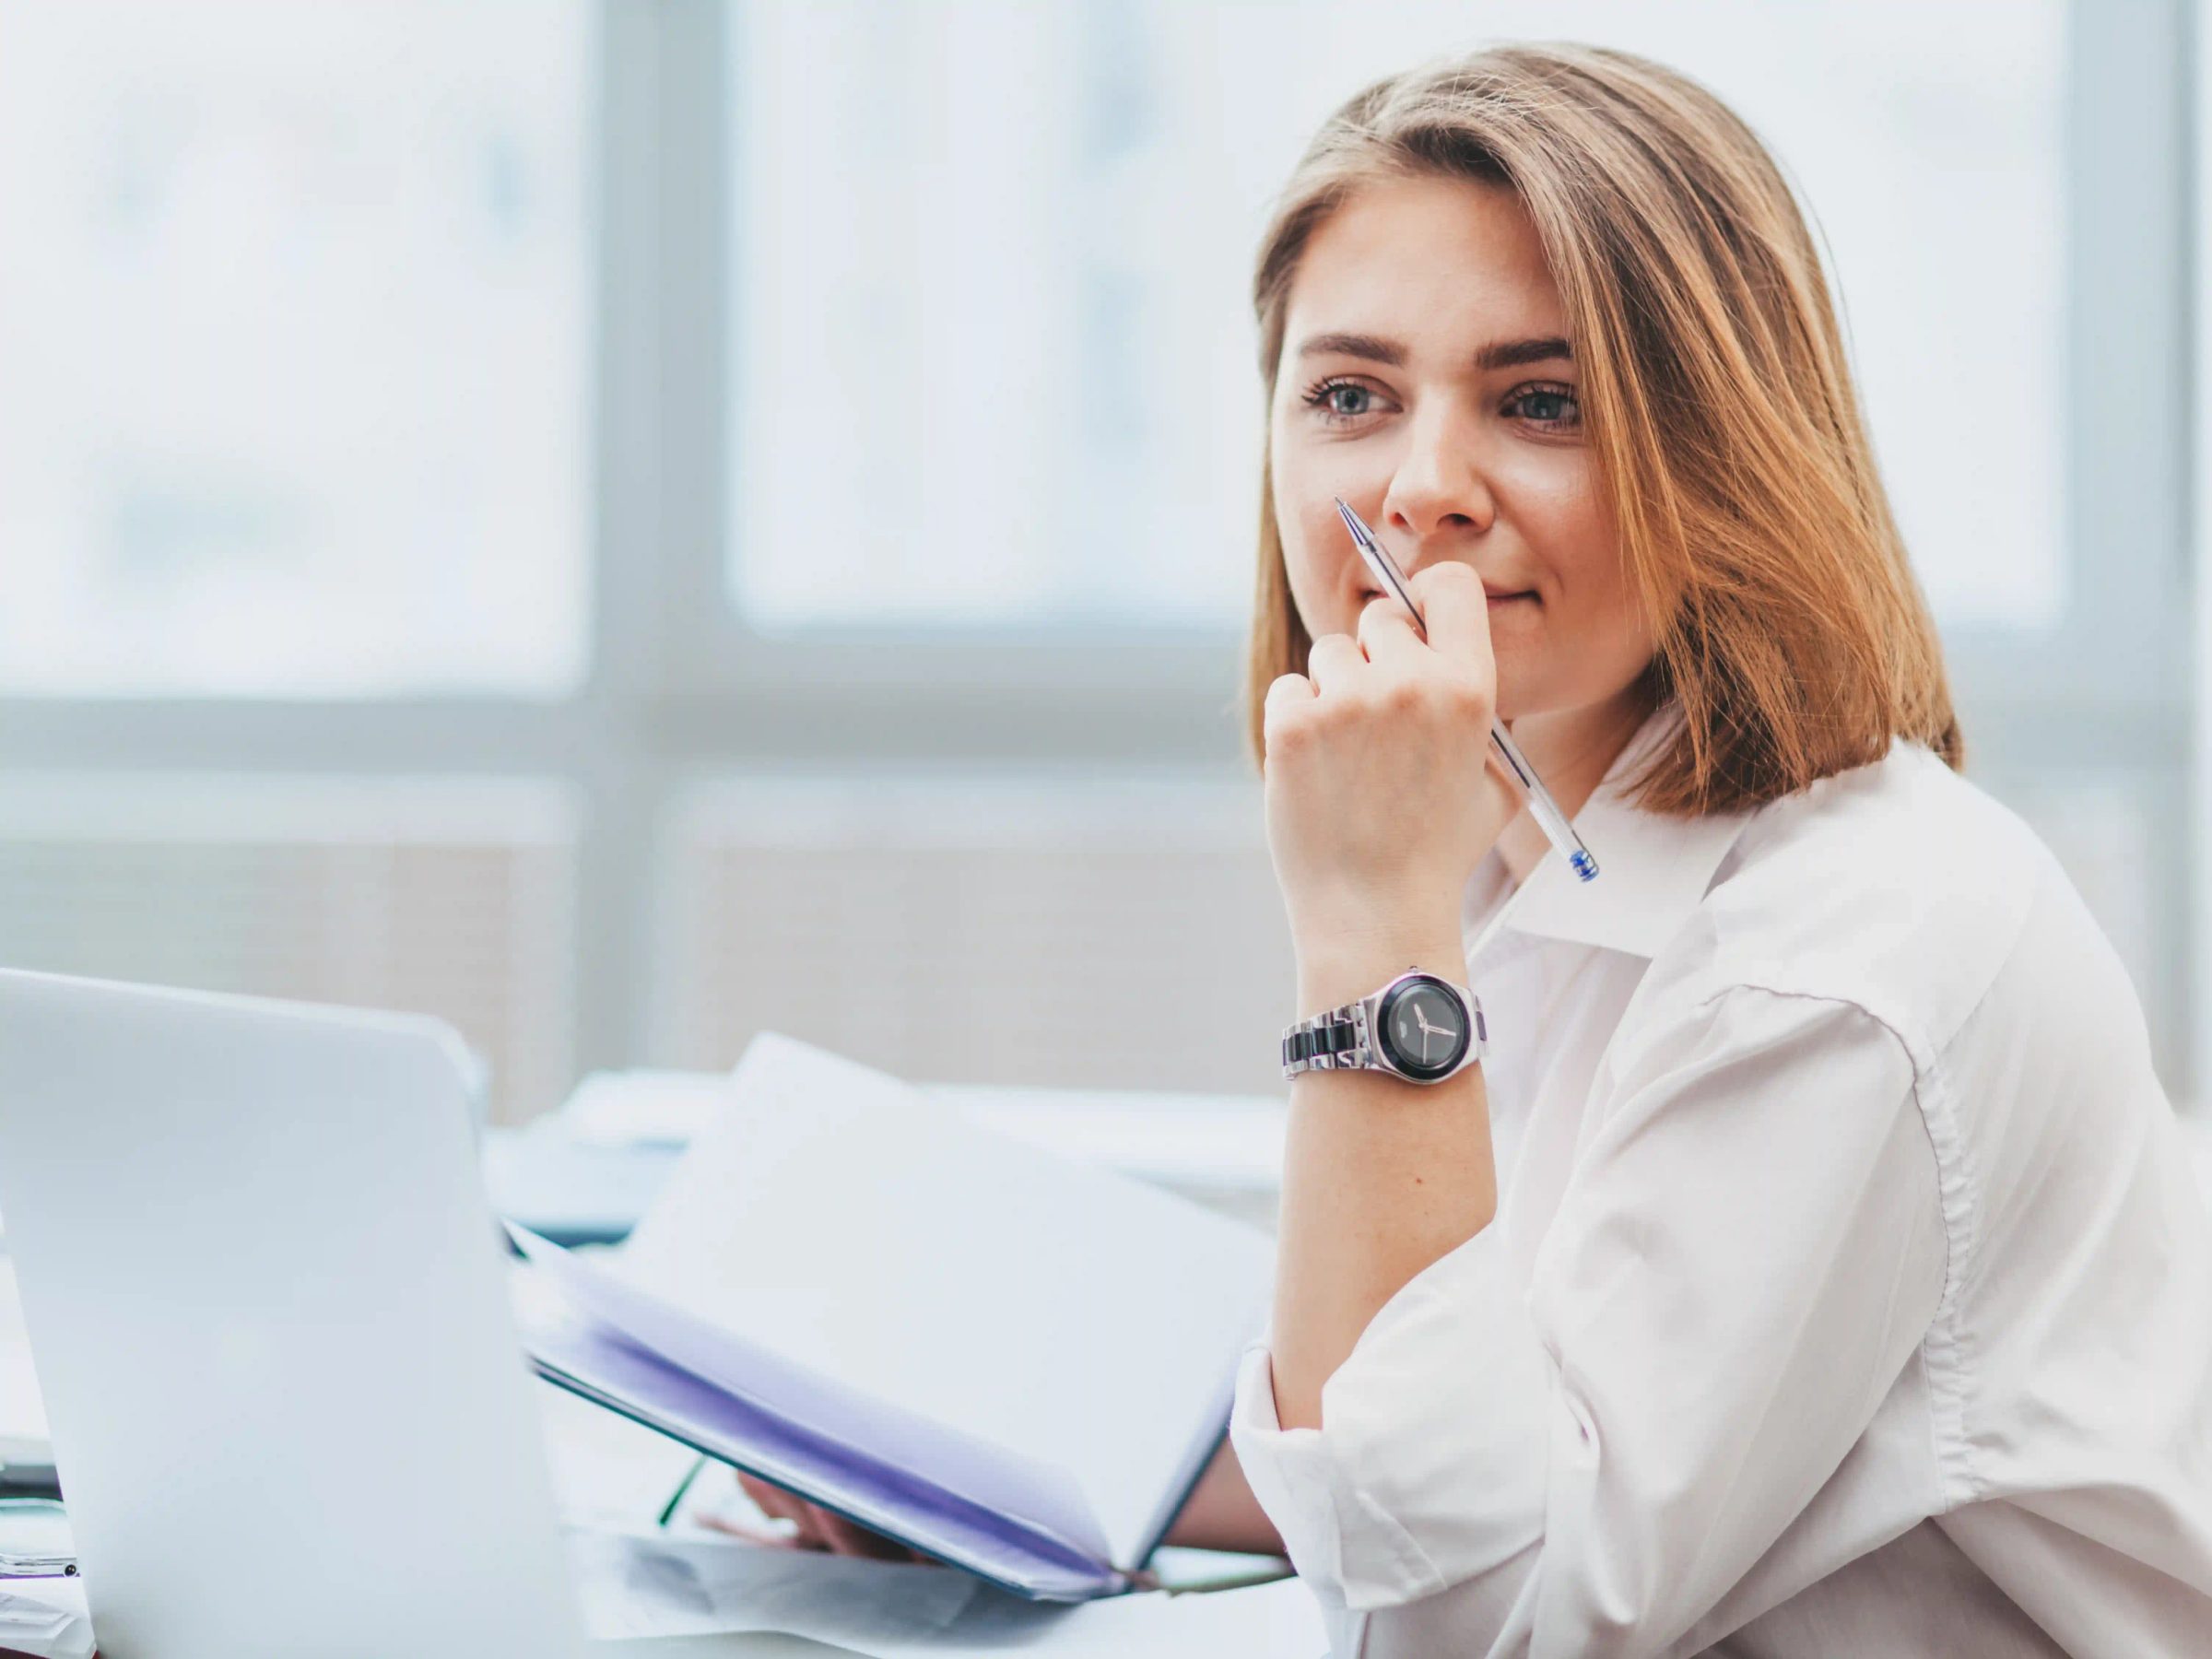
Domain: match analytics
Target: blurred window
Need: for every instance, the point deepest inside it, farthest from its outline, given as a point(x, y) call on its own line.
point(991, 344)
point(294, 348)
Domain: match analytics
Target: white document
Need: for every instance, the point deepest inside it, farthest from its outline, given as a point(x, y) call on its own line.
point(45, 1619)
point(860, 1229)
point(638, 1584)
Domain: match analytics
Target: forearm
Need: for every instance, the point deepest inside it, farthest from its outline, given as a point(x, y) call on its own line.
point(1381, 1177)
point(1223, 1514)
point(1382, 798)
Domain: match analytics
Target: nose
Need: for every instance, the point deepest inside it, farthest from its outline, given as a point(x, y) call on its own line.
point(1439, 491)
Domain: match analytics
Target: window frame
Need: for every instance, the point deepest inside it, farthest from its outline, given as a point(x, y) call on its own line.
point(677, 686)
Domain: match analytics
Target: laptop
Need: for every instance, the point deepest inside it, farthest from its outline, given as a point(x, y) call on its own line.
point(269, 1307)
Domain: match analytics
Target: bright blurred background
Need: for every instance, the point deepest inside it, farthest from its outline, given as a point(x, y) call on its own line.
point(625, 525)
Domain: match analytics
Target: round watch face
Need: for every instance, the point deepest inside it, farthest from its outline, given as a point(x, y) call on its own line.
point(1424, 1028)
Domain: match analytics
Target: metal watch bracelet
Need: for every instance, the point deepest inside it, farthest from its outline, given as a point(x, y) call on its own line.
point(1345, 1039)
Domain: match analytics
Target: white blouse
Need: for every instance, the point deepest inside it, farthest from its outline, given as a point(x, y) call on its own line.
point(1849, 1292)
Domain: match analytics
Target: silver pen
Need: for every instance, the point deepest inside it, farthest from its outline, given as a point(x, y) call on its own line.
point(1557, 830)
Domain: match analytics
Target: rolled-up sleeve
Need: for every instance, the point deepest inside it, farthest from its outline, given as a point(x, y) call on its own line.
point(1747, 1251)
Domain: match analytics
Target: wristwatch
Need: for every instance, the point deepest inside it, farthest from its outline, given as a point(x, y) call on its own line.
point(1418, 1026)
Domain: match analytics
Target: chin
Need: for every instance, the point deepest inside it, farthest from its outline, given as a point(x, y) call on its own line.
point(1519, 698)
point(1518, 692)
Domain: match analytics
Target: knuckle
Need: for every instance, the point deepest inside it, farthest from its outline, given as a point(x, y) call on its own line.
point(1286, 732)
point(1407, 698)
point(1467, 696)
point(1332, 715)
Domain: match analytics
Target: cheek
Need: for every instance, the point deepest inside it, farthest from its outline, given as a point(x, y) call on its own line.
point(1318, 563)
point(1323, 580)
point(1589, 642)
point(1615, 643)
point(1569, 655)
point(1554, 493)
point(1562, 515)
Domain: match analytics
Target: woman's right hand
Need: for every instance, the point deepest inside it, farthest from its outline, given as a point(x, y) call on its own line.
point(813, 1527)
point(1382, 793)
point(1220, 1513)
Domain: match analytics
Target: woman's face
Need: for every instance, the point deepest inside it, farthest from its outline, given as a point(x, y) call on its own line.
point(1427, 378)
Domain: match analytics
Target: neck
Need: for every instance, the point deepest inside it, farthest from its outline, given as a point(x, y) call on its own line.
point(1572, 749)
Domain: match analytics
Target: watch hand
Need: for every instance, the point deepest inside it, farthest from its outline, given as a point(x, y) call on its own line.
point(1420, 1021)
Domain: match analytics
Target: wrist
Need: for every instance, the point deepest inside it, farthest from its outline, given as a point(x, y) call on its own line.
point(1340, 965)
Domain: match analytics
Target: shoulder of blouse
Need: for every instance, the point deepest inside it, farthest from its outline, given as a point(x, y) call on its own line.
point(1899, 887)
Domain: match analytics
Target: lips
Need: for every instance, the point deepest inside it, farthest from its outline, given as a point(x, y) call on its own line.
point(1495, 596)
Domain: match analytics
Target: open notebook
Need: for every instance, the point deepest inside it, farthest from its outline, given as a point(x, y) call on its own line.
point(1013, 1363)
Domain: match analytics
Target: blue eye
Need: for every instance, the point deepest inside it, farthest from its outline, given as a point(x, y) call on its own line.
point(1545, 405)
point(1344, 400)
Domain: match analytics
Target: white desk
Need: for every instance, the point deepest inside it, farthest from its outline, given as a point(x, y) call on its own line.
point(608, 1468)
point(584, 1172)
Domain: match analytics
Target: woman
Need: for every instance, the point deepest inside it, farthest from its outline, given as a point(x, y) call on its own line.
point(1809, 1267)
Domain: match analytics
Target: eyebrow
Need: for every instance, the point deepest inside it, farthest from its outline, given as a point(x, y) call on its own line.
point(1514, 354)
point(1355, 345)
point(1499, 354)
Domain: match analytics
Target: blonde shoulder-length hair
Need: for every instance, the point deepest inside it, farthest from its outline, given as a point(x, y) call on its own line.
point(1716, 398)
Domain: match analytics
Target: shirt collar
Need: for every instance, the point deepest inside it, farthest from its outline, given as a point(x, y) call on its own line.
point(1652, 871)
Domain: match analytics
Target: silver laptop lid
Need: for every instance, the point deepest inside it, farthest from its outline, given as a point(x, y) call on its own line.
point(269, 1312)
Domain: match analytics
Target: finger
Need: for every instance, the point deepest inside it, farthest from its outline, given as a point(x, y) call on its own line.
point(1335, 662)
point(1288, 690)
point(1287, 693)
point(780, 1505)
point(765, 1497)
point(1459, 616)
point(849, 1538)
point(773, 1502)
point(1387, 636)
point(812, 1534)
